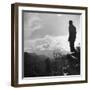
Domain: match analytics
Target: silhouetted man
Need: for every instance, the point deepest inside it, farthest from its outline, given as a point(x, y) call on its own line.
point(72, 35)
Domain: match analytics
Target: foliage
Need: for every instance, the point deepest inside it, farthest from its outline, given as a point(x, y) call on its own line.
point(40, 65)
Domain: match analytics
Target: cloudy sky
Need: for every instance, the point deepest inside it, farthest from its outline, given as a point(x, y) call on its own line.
point(42, 26)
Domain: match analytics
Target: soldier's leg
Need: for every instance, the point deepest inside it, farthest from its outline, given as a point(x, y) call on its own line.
point(72, 46)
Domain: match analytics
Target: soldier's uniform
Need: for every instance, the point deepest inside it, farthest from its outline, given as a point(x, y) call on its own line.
point(72, 36)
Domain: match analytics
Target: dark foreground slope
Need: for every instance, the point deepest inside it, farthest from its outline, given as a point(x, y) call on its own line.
point(40, 65)
point(36, 65)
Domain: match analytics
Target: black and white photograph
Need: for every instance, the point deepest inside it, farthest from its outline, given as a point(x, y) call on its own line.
point(49, 44)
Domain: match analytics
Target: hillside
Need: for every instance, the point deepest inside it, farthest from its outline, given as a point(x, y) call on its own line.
point(61, 64)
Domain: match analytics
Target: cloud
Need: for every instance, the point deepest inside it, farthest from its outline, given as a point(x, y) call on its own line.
point(38, 25)
point(32, 22)
point(48, 43)
point(59, 15)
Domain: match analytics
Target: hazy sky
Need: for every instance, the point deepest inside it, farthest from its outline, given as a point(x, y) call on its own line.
point(46, 31)
point(38, 25)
